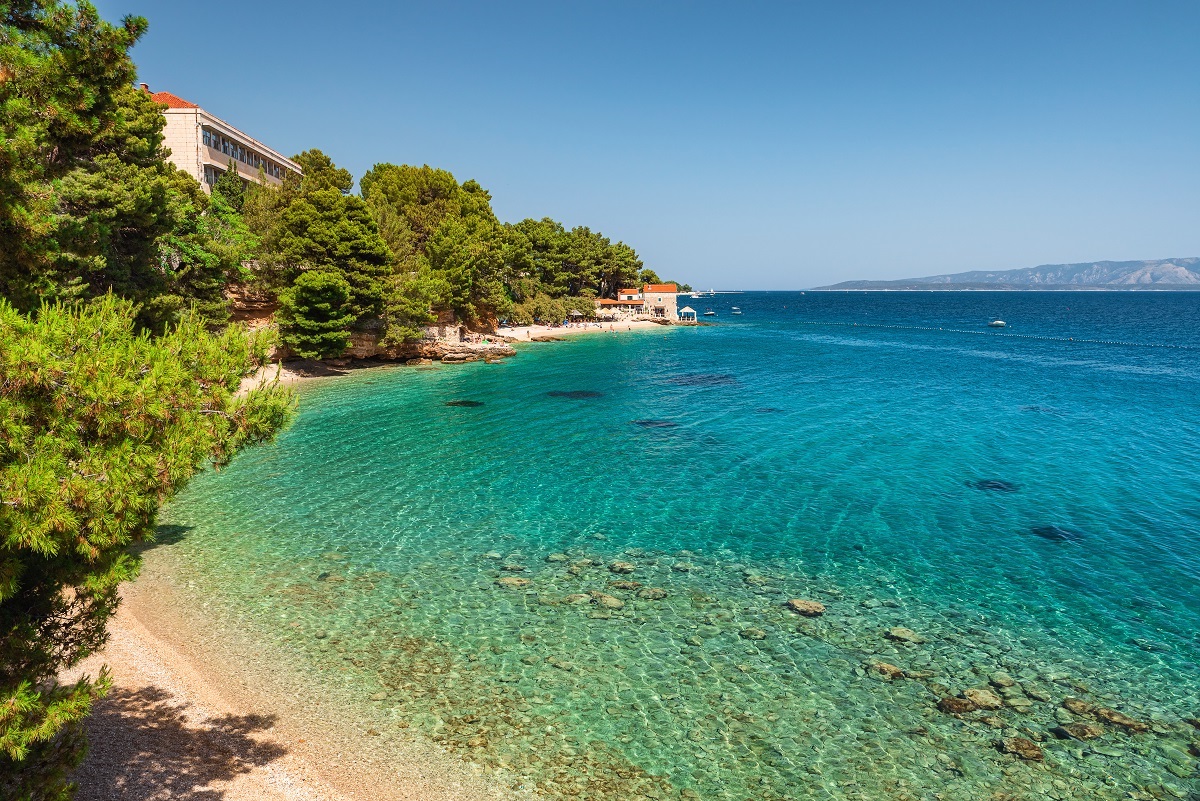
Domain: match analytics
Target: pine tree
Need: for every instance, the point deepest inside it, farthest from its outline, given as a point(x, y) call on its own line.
point(231, 187)
point(99, 424)
point(314, 315)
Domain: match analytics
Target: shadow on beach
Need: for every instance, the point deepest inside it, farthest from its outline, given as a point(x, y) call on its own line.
point(145, 745)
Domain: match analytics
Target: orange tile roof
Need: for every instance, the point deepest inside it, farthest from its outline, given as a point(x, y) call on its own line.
point(628, 292)
point(607, 302)
point(172, 101)
point(660, 288)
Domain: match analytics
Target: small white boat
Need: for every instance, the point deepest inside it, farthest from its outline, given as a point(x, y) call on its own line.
point(710, 313)
point(735, 310)
point(997, 324)
point(695, 294)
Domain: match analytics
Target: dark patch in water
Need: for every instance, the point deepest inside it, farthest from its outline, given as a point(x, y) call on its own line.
point(655, 423)
point(465, 403)
point(575, 394)
point(702, 380)
point(994, 485)
point(1057, 533)
point(768, 410)
point(1041, 409)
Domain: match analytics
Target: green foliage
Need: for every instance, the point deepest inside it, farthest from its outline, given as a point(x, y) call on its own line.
point(319, 173)
point(421, 197)
point(314, 315)
point(326, 230)
point(61, 118)
point(574, 263)
point(410, 304)
point(312, 224)
point(99, 424)
point(231, 187)
point(205, 251)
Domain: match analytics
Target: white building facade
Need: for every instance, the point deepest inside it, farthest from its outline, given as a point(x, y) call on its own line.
point(205, 146)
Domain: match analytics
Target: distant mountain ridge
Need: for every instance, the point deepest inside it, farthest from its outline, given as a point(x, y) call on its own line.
point(1110, 275)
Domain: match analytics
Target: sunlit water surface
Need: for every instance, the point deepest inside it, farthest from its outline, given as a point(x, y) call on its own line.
point(1025, 500)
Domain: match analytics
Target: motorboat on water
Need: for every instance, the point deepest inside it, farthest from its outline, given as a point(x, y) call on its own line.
point(710, 313)
point(735, 310)
point(997, 324)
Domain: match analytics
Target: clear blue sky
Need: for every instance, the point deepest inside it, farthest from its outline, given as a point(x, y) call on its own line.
point(740, 145)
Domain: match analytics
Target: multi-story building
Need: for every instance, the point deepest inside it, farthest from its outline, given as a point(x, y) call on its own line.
point(661, 300)
point(655, 300)
point(205, 146)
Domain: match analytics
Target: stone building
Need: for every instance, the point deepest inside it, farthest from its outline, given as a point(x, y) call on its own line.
point(205, 146)
point(661, 300)
point(652, 300)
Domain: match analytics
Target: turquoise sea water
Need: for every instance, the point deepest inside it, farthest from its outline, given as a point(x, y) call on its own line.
point(1025, 501)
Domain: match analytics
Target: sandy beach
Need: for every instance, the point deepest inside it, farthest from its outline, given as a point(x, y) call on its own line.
point(529, 332)
point(293, 372)
point(195, 715)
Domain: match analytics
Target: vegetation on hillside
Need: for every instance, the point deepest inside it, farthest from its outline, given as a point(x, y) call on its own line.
point(118, 374)
point(117, 380)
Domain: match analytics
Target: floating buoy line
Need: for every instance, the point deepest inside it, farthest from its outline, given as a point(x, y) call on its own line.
point(998, 334)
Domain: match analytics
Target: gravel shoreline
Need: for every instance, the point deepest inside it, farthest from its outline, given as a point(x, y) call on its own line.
point(194, 714)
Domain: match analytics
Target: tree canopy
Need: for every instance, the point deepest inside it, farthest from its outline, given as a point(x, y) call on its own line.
point(99, 424)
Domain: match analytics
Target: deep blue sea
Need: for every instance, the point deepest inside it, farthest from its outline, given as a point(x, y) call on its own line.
point(1013, 510)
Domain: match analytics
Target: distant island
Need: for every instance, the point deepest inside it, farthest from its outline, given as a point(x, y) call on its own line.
point(1159, 274)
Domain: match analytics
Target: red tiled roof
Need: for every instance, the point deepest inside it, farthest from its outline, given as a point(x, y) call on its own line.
point(628, 292)
point(607, 302)
point(660, 288)
point(172, 101)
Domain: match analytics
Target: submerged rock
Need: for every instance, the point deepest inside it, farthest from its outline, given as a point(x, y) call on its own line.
point(419, 362)
point(466, 404)
point(576, 598)
point(888, 671)
point(606, 601)
point(1001, 679)
point(558, 557)
point(1077, 706)
point(652, 594)
point(513, 582)
point(1057, 533)
point(982, 698)
point(1021, 747)
point(513, 568)
point(624, 585)
point(575, 394)
point(1119, 719)
point(1077, 731)
point(956, 706)
point(902, 634)
point(994, 485)
point(806, 608)
point(622, 567)
point(753, 633)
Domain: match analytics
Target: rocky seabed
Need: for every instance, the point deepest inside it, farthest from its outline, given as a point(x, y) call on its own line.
point(641, 674)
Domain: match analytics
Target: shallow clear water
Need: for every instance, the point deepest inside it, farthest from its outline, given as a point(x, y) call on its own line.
point(824, 446)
